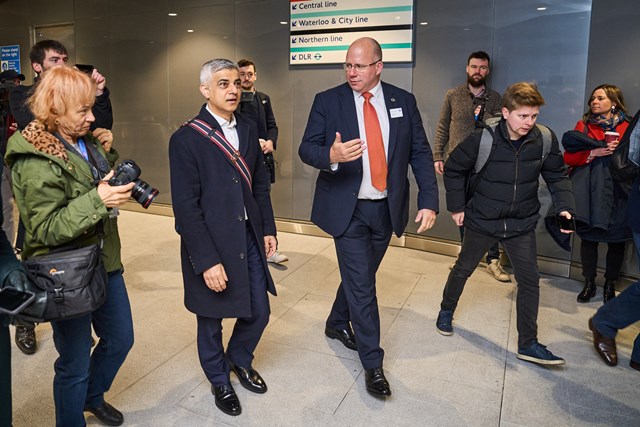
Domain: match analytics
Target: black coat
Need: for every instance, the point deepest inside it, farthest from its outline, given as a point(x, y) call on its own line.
point(23, 115)
point(505, 201)
point(261, 113)
point(209, 199)
point(601, 202)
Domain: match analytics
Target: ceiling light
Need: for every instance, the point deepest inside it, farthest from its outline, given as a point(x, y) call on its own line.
point(189, 31)
point(173, 14)
point(541, 8)
point(283, 22)
point(423, 23)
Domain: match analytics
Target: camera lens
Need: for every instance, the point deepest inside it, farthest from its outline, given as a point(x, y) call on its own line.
point(143, 193)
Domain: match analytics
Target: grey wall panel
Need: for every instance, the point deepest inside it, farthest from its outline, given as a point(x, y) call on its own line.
point(152, 66)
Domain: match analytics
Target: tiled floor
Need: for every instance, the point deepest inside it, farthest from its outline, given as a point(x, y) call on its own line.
point(471, 378)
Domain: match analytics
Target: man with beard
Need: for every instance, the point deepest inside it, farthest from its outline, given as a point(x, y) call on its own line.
point(464, 106)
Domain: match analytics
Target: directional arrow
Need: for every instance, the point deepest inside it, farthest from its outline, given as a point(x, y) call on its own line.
point(294, 6)
point(293, 57)
point(294, 24)
point(294, 40)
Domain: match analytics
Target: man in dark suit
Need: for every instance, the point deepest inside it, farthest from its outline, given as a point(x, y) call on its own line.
point(220, 195)
point(363, 135)
point(256, 106)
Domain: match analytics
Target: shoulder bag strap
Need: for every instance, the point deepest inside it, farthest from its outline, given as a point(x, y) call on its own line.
point(221, 142)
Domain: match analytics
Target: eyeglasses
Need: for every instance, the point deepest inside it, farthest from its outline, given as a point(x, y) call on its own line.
point(359, 67)
point(481, 67)
point(248, 75)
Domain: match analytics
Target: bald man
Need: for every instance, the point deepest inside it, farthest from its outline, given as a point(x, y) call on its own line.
point(362, 136)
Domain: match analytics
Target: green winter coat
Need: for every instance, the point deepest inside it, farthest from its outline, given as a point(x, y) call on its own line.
point(57, 199)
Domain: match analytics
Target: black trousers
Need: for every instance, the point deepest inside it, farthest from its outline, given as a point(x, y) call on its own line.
point(360, 250)
point(589, 259)
point(5, 373)
point(522, 253)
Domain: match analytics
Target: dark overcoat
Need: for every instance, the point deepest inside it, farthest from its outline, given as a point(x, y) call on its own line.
point(209, 199)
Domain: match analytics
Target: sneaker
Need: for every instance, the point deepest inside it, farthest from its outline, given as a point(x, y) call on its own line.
point(538, 353)
point(277, 258)
point(443, 324)
point(495, 269)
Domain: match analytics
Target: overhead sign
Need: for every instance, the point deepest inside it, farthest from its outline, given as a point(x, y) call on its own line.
point(322, 30)
point(10, 58)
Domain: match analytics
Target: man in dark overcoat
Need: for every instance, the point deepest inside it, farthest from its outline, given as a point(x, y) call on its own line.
point(223, 213)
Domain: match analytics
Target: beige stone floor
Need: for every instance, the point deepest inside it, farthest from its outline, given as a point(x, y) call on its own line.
point(471, 378)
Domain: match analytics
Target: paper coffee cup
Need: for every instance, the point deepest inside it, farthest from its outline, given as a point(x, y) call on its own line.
point(611, 136)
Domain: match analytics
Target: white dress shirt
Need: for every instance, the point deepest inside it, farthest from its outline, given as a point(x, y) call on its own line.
point(231, 134)
point(367, 190)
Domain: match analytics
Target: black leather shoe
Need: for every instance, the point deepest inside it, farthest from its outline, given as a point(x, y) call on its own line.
point(226, 399)
point(26, 339)
point(634, 365)
point(588, 292)
point(346, 336)
point(605, 347)
point(377, 384)
point(249, 378)
point(608, 290)
point(107, 414)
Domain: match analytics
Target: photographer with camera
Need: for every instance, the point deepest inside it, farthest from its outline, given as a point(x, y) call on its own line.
point(60, 171)
point(46, 55)
point(463, 109)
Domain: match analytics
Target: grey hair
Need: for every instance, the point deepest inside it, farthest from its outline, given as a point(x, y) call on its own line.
point(213, 66)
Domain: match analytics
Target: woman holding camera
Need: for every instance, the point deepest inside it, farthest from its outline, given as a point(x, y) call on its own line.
point(600, 200)
point(59, 172)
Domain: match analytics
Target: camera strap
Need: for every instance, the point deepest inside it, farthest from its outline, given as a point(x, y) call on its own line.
point(98, 164)
point(225, 146)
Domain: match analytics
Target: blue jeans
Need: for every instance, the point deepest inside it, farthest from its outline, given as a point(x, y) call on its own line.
point(82, 377)
point(522, 253)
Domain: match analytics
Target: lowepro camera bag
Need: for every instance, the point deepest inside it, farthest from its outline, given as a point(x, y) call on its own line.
point(75, 282)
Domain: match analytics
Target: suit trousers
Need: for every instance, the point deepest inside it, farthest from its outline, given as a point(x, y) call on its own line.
point(360, 250)
point(618, 313)
point(522, 253)
point(82, 376)
point(247, 330)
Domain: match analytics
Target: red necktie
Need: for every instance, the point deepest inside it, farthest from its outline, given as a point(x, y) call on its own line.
point(375, 145)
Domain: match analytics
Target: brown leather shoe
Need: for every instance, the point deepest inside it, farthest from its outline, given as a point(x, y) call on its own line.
point(605, 347)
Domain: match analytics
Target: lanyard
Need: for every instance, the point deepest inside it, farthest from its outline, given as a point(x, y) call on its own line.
point(83, 149)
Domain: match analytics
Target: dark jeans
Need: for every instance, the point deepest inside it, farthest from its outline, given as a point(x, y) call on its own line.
point(589, 259)
point(246, 332)
point(522, 253)
point(5, 373)
point(360, 250)
point(81, 376)
point(618, 313)
point(492, 253)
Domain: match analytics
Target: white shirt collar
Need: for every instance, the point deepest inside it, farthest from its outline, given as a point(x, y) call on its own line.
point(224, 123)
point(376, 91)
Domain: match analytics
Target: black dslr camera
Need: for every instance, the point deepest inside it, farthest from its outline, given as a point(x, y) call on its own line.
point(127, 172)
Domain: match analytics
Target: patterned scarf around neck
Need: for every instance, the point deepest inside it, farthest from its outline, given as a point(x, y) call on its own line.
point(607, 123)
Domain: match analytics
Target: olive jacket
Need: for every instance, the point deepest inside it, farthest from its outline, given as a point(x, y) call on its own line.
point(57, 196)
